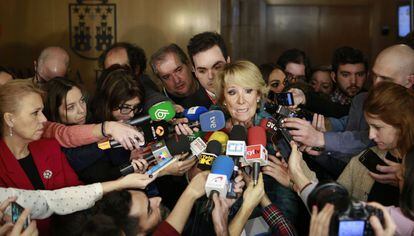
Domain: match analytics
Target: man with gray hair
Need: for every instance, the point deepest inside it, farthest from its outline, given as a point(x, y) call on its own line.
point(171, 65)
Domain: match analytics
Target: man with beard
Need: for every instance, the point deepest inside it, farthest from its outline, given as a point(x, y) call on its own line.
point(349, 72)
point(394, 64)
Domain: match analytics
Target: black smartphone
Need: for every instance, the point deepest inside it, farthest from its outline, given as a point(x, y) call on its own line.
point(17, 210)
point(285, 99)
point(370, 160)
point(282, 140)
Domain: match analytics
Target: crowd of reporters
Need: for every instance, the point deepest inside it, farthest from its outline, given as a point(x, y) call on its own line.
point(209, 145)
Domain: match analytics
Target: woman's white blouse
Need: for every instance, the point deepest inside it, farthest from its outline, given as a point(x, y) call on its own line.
point(44, 203)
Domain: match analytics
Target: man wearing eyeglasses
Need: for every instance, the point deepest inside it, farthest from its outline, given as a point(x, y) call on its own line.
point(52, 62)
point(208, 54)
point(295, 64)
point(171, 66)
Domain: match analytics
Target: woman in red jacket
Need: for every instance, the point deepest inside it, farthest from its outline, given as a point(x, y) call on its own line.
point(26, 161)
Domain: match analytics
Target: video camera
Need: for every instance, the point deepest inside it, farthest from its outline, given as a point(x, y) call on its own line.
point(350, 217)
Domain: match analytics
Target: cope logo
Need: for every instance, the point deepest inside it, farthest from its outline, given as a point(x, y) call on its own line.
point(161, 114)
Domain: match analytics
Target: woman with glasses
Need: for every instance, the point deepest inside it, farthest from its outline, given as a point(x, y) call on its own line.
point(119, 97)
point(66, 103)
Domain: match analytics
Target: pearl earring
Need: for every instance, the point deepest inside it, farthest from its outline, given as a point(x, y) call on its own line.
point(11, 131)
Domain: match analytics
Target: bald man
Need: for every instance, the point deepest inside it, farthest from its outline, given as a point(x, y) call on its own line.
point(4, 77)
point(394, 64)
point(128, 54)
point(52, 62)
point(118, 56)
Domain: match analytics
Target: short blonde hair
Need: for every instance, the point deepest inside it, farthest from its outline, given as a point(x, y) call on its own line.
point(11, 94)
point(241, 73)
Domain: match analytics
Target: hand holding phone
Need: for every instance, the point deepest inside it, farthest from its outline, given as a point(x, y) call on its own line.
point(285, 99)
point(17, 211)
point(370, 160)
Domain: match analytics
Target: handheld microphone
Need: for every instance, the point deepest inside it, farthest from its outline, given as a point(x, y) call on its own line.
point(160, 111)
point(219, 177)
point(207, 158)
point(221, 137)
point(198, 146)
point(162, 152)
point(256, 153)
point(178, 144)
point(236, 145)
point(192, 113)
point(155, 131)
point(236, 149)
point(212, 121)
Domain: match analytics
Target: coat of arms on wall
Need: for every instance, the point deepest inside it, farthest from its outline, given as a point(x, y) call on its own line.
point(92, 27)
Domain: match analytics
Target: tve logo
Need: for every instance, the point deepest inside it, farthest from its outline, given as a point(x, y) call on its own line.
point(213, 122)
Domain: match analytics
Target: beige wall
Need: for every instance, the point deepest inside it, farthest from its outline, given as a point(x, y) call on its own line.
point(27, 26)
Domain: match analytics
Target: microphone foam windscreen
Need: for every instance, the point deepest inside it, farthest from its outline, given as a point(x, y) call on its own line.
point(256, 135)
point(221, 137)
point(223, 165)
point(178, 144)
point(263, 123)
point(214, 147)
point(212, 121)
point(238, 133)
point(193, 113)
point(162, 111)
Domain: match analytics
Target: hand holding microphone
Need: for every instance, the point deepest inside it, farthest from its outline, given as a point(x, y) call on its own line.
point(161, 152)
point(139, 165)
point(122, 134)
point(181, 166)
point(254, 193)
point(160, 111)
point(207, 121)
point(256, 153)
